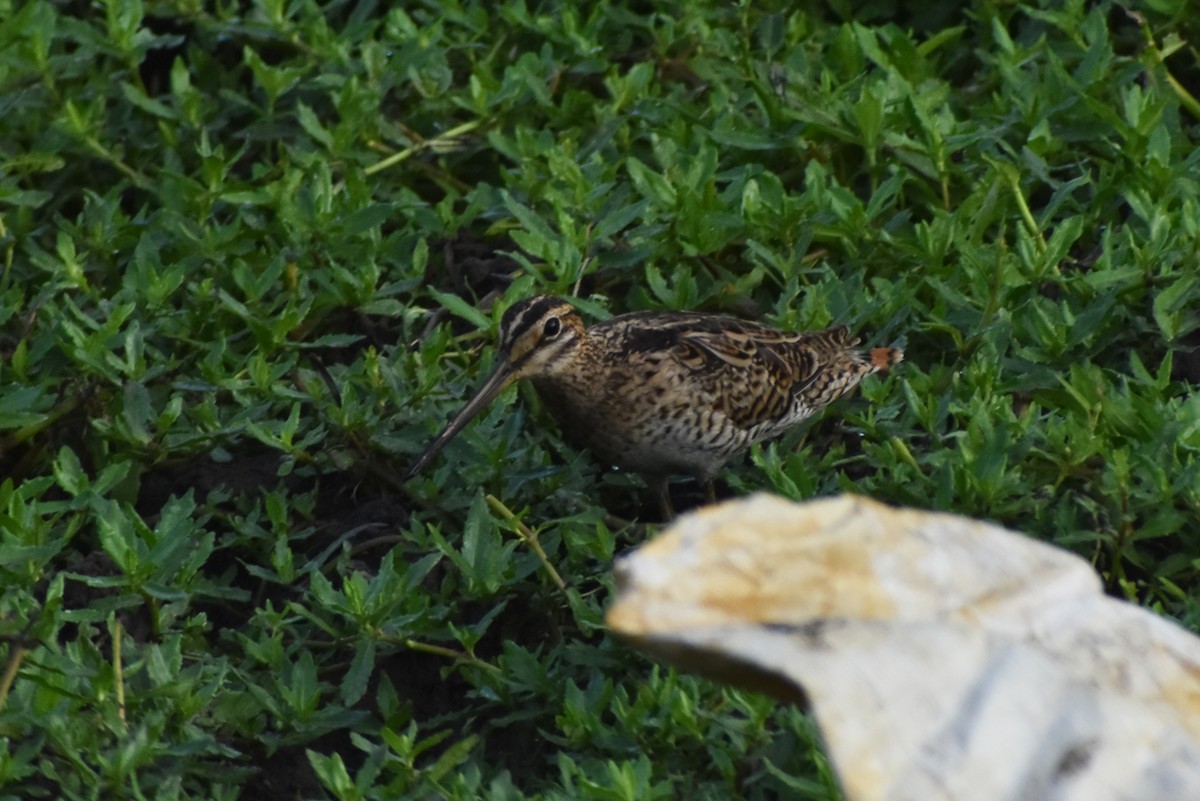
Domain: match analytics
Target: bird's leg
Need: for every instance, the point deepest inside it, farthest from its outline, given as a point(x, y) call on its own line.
point(658, 487)
point(710, 490)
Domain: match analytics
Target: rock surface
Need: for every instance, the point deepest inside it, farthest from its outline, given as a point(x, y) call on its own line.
point(944, 658)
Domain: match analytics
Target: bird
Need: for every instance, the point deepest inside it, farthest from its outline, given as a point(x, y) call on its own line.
point(664, 393)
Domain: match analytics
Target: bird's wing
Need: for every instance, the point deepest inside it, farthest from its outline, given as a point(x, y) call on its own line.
point(756, 371)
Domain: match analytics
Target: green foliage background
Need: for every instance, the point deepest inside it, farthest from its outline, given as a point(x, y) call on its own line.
point(225, 231)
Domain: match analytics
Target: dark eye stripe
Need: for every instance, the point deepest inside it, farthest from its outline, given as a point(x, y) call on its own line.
point(525, 315)
point(547, 348)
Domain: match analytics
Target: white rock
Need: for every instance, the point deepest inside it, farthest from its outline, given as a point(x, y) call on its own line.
point(944, 658)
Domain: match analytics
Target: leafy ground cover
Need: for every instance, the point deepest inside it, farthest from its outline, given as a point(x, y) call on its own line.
point(253, 257)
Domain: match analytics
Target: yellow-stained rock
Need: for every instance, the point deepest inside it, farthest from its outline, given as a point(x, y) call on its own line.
point(944, 658)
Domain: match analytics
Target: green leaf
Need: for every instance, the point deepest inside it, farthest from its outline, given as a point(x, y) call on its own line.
point(312, 125)
point(618, 219)
point(118, 536)
point(530, 221)
point(868, 113)
point(354, 685)
point(452, 758)
point(18, 557)
point(69, 473)
point(111, 475)
point(650, 184)
point(325, 593)
point(254, 197)
point(137, 411)
point(333, 774)
point(483, 548)
point(300, 685)
point(151, 106)
point(366, 219)
point(457, 306)
point(1177, 303)
point(18, 407)
point(29, 198)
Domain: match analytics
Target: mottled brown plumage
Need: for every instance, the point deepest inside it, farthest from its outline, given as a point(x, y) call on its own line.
point(663, 393)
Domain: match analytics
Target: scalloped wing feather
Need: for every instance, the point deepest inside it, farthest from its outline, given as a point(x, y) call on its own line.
point(758, 371)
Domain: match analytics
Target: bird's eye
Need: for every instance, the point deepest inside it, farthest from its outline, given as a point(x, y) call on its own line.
point(552, 327)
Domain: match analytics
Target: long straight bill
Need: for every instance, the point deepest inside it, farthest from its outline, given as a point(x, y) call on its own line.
point(495, 384)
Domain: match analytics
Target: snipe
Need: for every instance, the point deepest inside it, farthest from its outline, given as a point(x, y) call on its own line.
point(665, 393)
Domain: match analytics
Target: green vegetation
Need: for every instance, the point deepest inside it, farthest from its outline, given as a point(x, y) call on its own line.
point(253, 257)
